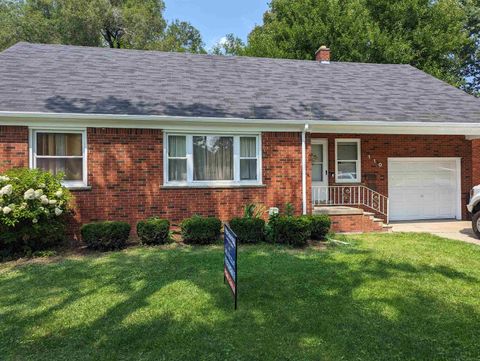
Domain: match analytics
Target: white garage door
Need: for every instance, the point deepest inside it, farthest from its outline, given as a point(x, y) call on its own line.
point(423, 188)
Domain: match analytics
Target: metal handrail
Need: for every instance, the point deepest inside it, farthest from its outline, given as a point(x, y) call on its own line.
point(351, 195)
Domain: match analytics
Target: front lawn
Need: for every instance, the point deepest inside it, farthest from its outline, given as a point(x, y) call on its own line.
point(384, 297)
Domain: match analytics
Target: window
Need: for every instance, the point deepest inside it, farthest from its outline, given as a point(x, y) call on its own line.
point(212, 159)
point(348, 161)
point(61, 152)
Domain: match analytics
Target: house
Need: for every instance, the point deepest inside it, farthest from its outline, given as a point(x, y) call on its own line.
point(143, 133)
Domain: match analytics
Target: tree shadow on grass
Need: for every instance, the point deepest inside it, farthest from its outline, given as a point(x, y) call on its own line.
point(155, 304)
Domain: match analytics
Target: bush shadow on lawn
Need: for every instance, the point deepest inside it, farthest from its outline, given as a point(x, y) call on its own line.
point(157, 304)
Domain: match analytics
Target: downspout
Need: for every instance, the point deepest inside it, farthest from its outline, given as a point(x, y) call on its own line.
point(304, 170)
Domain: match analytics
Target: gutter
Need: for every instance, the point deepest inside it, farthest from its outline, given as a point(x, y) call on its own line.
point(213, 124)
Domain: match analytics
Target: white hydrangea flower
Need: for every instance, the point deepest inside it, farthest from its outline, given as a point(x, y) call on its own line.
point(29, 194)
point(6, 210)
point(7, 190)
point(41, 185)
point(59, 193)
point(58, 211)
point(4, 178)
point(44, 199)
point(34, 220)
point(38, 193)
point(52, 201)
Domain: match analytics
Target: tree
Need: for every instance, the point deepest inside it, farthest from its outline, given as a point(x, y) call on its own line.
point(430, 35)
point(135, 24)
point(471, 69)
point(181, 36)
point(229, 45)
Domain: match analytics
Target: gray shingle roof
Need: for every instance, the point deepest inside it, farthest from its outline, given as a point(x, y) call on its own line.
point(70, 79)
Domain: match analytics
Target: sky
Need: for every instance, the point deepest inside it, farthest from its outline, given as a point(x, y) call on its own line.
point(216, 18)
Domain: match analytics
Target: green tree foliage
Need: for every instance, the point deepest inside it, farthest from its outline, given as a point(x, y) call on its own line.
point(229, 45)
point(471, 70)
point(135, 24)
point(432, 35)
point(182, 36)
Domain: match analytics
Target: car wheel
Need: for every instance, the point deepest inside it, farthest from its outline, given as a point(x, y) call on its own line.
point(476, 224)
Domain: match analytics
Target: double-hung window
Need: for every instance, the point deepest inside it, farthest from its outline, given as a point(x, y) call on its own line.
point(347, 161)
point(61, 152)
point(204, 159)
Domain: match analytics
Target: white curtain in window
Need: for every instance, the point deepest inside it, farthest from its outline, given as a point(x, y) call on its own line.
point(55, 152)
point(212, 158)
point(248, 158)
point(347, 157)
point(177, 153)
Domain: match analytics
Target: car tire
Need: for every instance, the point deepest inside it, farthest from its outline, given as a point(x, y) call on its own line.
point(476, 224)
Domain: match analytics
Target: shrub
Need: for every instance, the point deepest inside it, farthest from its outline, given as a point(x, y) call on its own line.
point(154, 231)
point(319, 226)
point(105, 236)
point(33, 209)
point(254, 210)
point(201, 230)
point(294, 231)
point(289, 209)
point(248, 230)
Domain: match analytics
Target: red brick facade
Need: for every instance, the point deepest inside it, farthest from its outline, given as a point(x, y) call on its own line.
point(125, 172)
point(377, 148)
point(475, 165)
point(13, 147)
point(355, 223)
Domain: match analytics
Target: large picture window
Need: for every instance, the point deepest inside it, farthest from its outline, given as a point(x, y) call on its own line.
point(212, 159)
point(61, 152)
point(347, 161)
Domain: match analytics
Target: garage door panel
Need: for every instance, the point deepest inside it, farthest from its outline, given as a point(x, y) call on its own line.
point(422, 189)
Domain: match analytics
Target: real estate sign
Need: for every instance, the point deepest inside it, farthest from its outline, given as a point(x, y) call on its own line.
point(230, 260)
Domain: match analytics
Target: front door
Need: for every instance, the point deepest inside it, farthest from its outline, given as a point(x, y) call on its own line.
point(319, 171)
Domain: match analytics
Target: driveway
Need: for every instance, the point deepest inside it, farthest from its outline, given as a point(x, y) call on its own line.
point(459, 230)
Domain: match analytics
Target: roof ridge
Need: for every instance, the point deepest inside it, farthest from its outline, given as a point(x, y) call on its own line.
point(194, 55)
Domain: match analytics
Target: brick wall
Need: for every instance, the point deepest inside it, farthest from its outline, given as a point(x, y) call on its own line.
point(125, 171)
point(475, 162)
point(13, 147)
point(380, 147)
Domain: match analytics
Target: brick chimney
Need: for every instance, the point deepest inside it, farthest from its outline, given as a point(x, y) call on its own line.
point(323, 55)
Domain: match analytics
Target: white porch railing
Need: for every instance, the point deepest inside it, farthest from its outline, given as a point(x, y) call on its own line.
point(358, 195)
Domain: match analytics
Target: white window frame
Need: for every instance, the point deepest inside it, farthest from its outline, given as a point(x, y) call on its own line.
point(33, 153)
point(357, 161)
point(214, 183)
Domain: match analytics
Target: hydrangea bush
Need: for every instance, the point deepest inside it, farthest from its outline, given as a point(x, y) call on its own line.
point(33, 205)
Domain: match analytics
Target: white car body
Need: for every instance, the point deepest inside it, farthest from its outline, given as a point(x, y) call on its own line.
point(474, 198)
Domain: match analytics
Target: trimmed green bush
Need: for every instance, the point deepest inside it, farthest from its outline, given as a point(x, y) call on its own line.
point(201, 230)
point(248, 230)
point(105, 236)
point(34, 208)
point(153, 231)
point(294, 231)
point(319, 226)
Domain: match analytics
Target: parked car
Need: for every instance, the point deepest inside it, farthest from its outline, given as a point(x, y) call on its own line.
point(474, 208)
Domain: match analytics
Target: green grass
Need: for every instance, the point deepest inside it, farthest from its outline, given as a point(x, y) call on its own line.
point(383, 297)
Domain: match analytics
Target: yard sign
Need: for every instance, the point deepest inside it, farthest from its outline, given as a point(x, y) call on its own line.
point(230, 260)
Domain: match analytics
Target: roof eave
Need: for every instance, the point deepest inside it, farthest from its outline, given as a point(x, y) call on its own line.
point(75, 120)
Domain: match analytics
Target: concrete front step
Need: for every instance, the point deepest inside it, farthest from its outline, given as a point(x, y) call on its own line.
point(352, 220)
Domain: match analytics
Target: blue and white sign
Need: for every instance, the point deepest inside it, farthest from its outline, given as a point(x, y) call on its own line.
point(230, 260)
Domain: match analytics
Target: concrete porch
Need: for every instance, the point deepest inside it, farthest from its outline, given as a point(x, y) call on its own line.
point(347, 219)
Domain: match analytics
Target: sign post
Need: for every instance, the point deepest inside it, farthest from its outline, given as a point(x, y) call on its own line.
point(230, 241)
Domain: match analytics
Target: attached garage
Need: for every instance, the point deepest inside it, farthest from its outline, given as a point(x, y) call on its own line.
point(424, 188)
